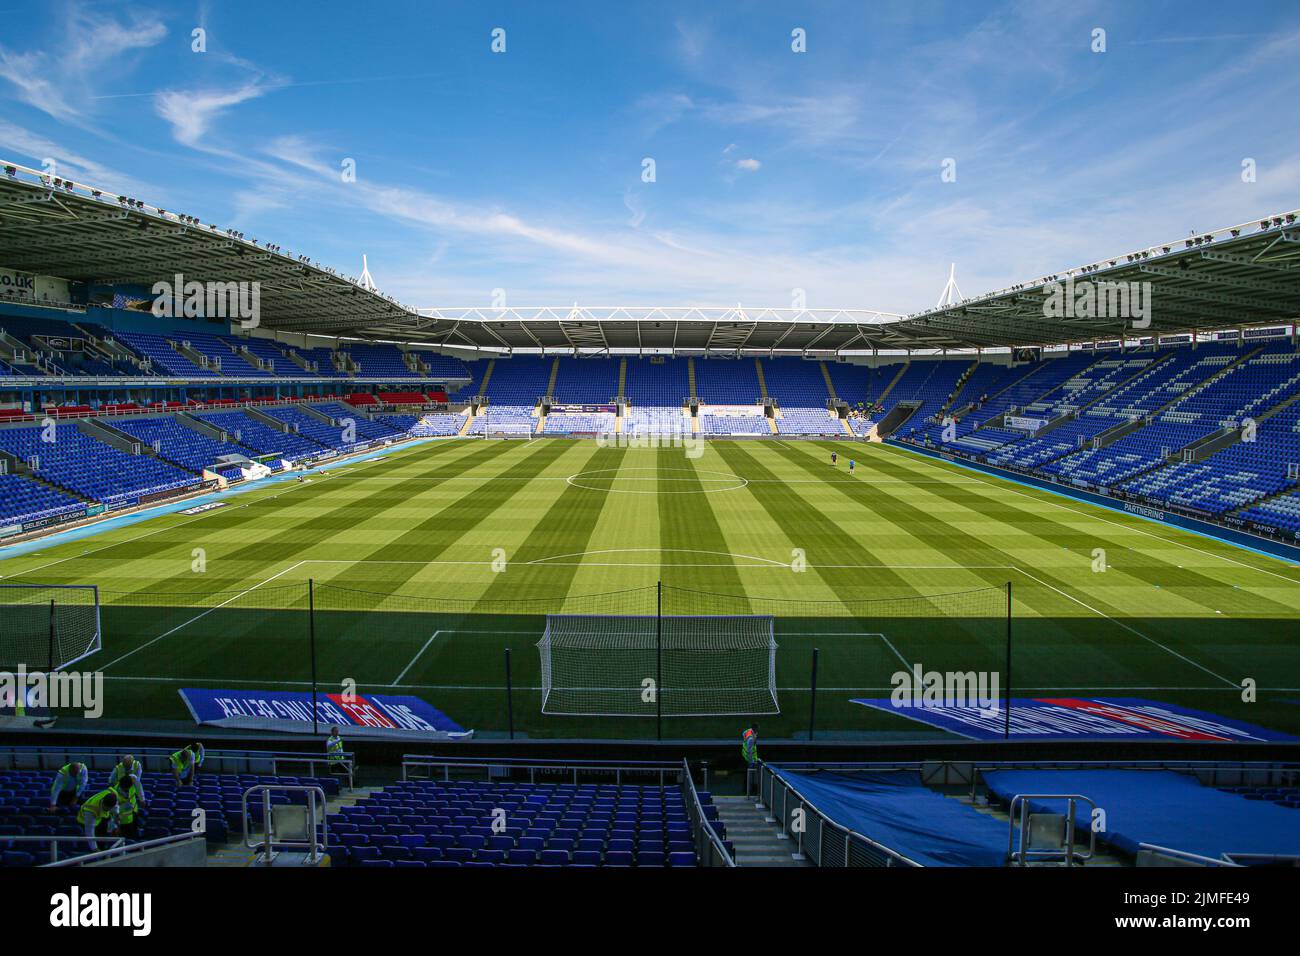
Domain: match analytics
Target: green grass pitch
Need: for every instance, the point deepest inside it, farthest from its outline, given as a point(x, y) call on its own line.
point(407, 554)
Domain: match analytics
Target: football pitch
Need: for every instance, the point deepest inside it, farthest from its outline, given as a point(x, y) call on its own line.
point(429, 562)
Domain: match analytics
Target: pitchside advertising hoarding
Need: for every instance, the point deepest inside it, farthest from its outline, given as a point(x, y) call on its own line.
point(291, 711)
point(585, 409)
point(1080, 718)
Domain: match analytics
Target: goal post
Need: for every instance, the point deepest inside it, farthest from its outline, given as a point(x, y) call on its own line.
point(48, 627)
point(613, 665)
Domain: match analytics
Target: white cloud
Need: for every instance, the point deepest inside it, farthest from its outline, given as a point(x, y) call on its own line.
point(94, 47)
point(748, 165)
point(191, 112)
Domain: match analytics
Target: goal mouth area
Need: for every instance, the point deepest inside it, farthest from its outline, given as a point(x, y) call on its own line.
point(693, 665)
point(48, 627)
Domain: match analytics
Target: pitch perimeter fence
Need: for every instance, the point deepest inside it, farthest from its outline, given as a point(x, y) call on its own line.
point(479, 661)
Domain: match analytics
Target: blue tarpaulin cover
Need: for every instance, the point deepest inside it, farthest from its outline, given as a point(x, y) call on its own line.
point(1162, 807)
point(896, 809)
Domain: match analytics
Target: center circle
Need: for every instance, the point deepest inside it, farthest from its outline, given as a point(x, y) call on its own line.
point(592, 481)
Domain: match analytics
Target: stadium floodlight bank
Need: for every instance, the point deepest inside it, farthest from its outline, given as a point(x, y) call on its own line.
point(612, 665)
point(48, 626)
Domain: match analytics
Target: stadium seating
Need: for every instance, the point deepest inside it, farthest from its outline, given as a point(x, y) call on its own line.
point(417, 823)
point(512, 419)
point(178, 443)
point(660, 384)
point(656, 420)
point(24, 499)
point(726, 382)
point(160, 351)
point(261, 438)
point(90, 468)
point(436, 426)
point(576, 423)
point(808, 421)
point(25, 795)
point(712, 423)
point(587, 381)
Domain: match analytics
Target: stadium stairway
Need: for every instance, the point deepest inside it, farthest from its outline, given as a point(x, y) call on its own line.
point(902, 370)
point(830, 385)
point(755, 841)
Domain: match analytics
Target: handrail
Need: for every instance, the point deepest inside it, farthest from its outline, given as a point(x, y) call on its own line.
point(1022, 855)
point(122, 848)
point(706, 837)
point(893, 857)
point(1185, 856)
point(60, 755)
point(617, 767)
point(267, 845)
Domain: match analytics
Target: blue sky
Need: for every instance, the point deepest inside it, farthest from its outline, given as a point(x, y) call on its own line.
point(774, 170)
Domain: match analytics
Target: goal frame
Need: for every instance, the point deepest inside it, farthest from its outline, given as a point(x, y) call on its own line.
point(92, 646)
point(770, 706)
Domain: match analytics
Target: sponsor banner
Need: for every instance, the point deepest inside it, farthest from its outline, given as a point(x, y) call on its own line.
point(587, 409)
point(17, 284)
point(199, 509)
point(1079, 718)
point(10, 530)
point(92, 510)
point(170, 493)
point(51, 520)
point(1023, 424)
point(291, 711)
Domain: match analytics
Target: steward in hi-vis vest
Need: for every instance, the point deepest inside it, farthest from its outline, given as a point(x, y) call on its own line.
point(186, 763)
point(129, 798)
point(98, 815)
point(749, 745)
point(69, 783)
point(129, 767)
point(334, 752)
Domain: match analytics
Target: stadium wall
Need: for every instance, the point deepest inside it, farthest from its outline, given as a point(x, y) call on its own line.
point(1242, 539)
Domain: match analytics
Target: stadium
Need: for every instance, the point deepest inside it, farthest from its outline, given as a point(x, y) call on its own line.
point(1008, 582)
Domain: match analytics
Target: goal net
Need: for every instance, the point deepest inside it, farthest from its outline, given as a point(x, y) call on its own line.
point(632, 666)
point(48, 627)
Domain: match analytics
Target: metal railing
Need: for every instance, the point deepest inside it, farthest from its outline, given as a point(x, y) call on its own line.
point(820, 839)
point(319, 840)
point(1172, 857)
point(418, 767)
point(268, 762)
point(710, 850)
point(122, 848)
point(1021, 855)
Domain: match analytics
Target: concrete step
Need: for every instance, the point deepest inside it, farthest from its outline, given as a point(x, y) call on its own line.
point(756, 842)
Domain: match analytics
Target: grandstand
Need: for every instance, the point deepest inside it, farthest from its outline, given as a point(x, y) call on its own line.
point(265, 515)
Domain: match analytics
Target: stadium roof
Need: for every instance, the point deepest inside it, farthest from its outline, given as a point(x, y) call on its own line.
point(1240, 276)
